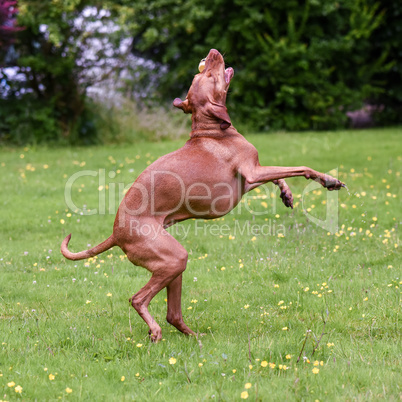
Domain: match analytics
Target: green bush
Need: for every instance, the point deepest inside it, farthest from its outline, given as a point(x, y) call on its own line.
point(297, 66)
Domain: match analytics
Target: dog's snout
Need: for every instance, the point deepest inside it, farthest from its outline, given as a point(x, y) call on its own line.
point(213, 54)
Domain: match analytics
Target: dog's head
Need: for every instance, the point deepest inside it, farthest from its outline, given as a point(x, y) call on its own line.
point(207, 94)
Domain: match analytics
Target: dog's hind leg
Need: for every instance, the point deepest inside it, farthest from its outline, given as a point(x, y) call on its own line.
point(174, 315)
point(166, 258)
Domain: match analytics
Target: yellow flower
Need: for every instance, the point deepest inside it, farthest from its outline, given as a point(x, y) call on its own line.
point(51, 377)
point(69, 390)
point(122, 378)
point(18, 389)
point(246, 306)
point(234, 371)
point(315, 370)
point(248, 385)
point(272, 365)
point(250, 366)
point(200, 364)
point(288, 357)
point(109, 295)
point(88, 301)
point(244, 395)
point(11, 384)
point(139, 345)
point(284, 328)
point(316, 363)
point(264, 363)
point(172, 360)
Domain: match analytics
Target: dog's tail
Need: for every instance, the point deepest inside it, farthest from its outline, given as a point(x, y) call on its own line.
point(100, 248)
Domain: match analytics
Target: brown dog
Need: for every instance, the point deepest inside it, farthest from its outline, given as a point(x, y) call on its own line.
point(204, 179)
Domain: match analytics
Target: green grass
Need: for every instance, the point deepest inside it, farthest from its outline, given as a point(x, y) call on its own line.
point(254, 296)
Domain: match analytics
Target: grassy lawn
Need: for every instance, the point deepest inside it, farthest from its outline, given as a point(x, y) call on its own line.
point(256, 282)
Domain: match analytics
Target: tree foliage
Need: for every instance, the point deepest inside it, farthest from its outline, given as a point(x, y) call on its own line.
point(65, 48)
point(298, 65)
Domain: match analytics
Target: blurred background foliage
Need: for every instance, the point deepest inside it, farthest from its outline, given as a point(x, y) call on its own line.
point(82, 71)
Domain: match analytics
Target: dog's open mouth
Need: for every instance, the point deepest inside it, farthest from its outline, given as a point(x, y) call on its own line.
point(229, 72)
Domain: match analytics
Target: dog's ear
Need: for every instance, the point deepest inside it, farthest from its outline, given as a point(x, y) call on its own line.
point(220, 112)
point(183, 105)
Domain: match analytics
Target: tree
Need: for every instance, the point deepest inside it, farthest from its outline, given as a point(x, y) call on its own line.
point(66, 47)
point(387, 41)
point(297, 65)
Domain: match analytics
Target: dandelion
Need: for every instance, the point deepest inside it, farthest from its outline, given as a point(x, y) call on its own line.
point(69, 390)
point(264, 363)
point(51, 377)
point(315, 370)
point(172, 360)
point(18, 389)
point(244, 395)
point(248, 385)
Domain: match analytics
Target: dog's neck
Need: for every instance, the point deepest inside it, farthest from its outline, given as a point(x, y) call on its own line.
point(207, 126)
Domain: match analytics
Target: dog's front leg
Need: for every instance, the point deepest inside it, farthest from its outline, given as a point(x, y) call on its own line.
point(286, 194)
point(264, 174)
